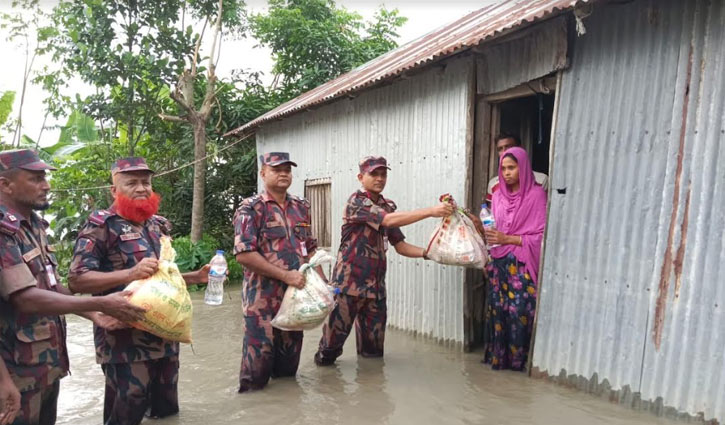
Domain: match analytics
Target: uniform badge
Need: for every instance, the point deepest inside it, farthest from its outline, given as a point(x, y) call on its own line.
point(31, 254)
point(130, 236)
point(125, 228)
point(12, 218)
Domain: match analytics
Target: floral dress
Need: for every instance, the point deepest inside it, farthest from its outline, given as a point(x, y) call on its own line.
point(510, 313)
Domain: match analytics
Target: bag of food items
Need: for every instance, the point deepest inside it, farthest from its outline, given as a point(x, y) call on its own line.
point(455, 240)
point(306, 308)
point(165, 298)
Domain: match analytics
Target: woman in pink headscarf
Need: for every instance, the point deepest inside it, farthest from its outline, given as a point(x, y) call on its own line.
point(519, 209)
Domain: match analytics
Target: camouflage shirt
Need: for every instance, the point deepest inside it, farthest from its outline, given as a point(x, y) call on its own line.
point(361, 262)
point(282, 235)
point(107, 243)
point(32, 345)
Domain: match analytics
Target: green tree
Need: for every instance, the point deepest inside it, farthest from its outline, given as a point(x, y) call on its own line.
point(198, 116)
point(314, 41)
point(130, 87)
point(130, 53)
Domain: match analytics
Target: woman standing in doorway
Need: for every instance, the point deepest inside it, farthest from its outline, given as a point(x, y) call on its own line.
point(519, 209)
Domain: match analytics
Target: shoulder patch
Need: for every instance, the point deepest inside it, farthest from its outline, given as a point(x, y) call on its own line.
point(9, 224)
point(161, 219)
point(164, 223)
point(251, 201)
point(99, 217)
point(302, 201)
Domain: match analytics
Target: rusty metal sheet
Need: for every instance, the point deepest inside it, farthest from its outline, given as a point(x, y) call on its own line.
point(632, 294)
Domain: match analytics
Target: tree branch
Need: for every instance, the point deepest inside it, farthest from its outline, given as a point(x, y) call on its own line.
point(210, 95)
point(172, 118)
point(179, 99)
point(195, 58)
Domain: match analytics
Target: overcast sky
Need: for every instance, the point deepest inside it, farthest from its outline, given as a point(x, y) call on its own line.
point(423, 17)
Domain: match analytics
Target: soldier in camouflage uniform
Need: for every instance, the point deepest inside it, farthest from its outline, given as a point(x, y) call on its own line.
point(272, 239)
point(370, 224)
point(115, 247)
point(32, 302)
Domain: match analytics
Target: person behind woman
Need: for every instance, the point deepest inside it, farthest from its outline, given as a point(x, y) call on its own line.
point(519, 209)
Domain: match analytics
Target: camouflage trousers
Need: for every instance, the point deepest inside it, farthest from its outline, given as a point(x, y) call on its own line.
point(140, 388)
point(267, 352)
point(369, 316)
point(39, 406)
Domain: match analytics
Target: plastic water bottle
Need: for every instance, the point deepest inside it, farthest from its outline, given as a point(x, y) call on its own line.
point(487, 219)
point(217, 274)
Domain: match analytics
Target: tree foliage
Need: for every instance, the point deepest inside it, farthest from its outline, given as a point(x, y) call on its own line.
point(130, 55)
point(314, 41)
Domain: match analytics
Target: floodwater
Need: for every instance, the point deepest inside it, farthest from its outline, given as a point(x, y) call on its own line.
point(418, 382)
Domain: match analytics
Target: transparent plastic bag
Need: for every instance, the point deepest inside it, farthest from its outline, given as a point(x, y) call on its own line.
point(455, 241)
point(307, 308)
point(166, 299)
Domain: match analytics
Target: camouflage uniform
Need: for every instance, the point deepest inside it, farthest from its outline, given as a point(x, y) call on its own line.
point(32, 345)
point(359, 273)
point(281, 234)
point(141, 369)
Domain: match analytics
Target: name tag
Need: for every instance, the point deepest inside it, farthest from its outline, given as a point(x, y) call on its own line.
point(303, 248)
point(51, 275)
point(31, 254)
point(130, 236)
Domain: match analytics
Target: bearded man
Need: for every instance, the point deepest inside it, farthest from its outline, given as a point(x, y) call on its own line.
point(115, 247)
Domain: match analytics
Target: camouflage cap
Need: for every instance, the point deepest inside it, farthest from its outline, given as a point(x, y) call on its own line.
point(274, 159)
point(372, 163)
point(22, 158)
point(125, 165)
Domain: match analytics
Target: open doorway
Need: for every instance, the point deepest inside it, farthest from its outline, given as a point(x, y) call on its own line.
point(530, 119)
point(526, 111)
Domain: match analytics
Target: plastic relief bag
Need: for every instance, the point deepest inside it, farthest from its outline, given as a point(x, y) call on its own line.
point(455, 241)
point(166, 299)
point(306, 308)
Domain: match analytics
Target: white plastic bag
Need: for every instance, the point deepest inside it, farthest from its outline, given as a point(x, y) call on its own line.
point(306, 308)
point(455, 241)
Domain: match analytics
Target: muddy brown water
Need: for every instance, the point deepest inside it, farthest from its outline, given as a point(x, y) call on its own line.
point(418, 382)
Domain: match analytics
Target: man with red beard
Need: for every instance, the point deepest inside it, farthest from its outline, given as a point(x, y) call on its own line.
point(115, 247)
point(32, 300)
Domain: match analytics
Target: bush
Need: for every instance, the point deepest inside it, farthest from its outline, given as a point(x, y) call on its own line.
point(191, 256)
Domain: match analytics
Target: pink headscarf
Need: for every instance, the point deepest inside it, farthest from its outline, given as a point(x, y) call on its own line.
point(521, 213)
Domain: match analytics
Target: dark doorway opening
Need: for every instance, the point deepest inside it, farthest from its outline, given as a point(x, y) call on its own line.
point(530, 118)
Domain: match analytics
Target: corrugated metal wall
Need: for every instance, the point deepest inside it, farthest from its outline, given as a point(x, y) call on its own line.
point(420, 125)
point(632, 292)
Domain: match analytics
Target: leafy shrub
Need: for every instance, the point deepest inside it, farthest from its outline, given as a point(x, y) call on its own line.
point(191, 256)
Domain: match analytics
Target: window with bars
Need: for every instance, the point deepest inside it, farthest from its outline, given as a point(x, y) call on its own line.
point(318, 192)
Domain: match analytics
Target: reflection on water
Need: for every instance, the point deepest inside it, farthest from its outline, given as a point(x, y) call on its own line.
point(418, 382)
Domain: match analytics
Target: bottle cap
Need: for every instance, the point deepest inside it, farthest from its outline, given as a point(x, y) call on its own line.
point(220, 252)
point(484, 205)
